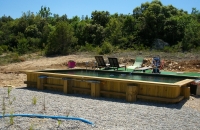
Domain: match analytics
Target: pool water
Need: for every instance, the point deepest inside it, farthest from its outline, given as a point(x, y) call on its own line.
point(128, 76)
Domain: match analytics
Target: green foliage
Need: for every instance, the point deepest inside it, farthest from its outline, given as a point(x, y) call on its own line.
point(88, 47)
point(9, 90)
point(3, 106)
point(32, 31)
point(100, 17)
point(22, 46)
point(106, 48)
point(11, 118)
point(34, 100)
point(31, 127)
point(14, 57)
point(59, 122)
point(174, 48)
point(140, 47)
point(11, 101)
point(60, 35)
point(61, 40)
point(3, 48)
point(1, 51)
point(191, 38)
point(44, 12)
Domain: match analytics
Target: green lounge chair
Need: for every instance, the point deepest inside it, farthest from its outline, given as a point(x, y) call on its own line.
point(137, 64)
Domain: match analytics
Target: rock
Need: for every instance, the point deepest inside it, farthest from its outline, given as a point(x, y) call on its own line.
point(159, 44)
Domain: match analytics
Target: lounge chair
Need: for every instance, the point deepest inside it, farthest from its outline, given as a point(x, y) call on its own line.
point(101, 63)
point(115, 64)
point(137, 64)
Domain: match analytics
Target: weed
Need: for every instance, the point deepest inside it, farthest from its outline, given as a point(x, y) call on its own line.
point(67, 113)
point(59, 123)
point(31, 127)
point(44, 107)
point(10, 102)
point(11, 118)
point(34, 100)
point(3, 106)
point(9, 90)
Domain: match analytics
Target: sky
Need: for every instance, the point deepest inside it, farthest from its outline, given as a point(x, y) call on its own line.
point(71, 8)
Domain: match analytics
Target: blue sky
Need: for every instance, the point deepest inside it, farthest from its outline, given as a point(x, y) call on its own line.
point(15, 8)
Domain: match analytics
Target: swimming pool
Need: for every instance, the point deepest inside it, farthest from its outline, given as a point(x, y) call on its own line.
point(112, 84)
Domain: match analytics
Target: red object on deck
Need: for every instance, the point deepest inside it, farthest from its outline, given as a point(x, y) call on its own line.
point(71, 64)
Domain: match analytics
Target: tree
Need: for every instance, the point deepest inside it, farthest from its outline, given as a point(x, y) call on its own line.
point(61, 40)
point(44, 12)
point(100, 17)
point(32, 31)
point(191, 39)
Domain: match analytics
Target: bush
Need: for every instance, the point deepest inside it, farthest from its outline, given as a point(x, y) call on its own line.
point(106, 48)
point(22, 46)
point(88, 47)
point(1, 51)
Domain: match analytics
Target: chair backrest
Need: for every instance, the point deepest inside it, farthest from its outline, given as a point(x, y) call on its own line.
point(113, 62)
point(138, 61)
point(156, 61)
point(100, 61)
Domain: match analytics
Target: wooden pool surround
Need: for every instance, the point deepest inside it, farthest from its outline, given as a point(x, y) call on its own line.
point(131, 90)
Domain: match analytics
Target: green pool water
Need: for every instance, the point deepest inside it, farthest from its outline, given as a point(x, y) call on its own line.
point(123, 75)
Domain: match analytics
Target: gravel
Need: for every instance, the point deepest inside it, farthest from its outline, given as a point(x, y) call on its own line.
point(105, 113)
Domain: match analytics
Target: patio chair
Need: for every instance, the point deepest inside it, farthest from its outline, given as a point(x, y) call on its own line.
point(115, 64)
point(137, 64)
point(156, 64)
point(101, 63)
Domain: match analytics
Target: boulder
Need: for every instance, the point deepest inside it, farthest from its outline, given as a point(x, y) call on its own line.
point(159, 44)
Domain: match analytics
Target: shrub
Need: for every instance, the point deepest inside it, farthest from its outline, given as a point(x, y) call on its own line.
point(106, 48)
point(88, 47)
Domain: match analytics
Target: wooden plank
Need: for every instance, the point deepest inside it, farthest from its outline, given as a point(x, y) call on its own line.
point(131, 93)
point(54, 86)
point(81, 89)
point(95, 90)
point(113, 93)
point(65, 86)
point(30, 82)
point(171, 100)
point(183, 82)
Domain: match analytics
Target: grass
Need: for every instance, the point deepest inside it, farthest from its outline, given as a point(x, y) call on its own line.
point(59, 123)
point(3, 106)
point(34, 100)
point(44, 105)
point(11, 101)
point(11, 118)
point(9, 90)
point(31, 127)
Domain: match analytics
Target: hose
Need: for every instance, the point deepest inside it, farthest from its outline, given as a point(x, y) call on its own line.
point(46, 116)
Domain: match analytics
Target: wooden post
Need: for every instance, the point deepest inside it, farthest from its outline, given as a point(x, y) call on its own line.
point(41, 81)
point(131, 93)
point(65, 86)
point(95, 89)
point(186, 92)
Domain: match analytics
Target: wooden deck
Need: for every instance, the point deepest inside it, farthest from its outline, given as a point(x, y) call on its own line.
point(131, 90)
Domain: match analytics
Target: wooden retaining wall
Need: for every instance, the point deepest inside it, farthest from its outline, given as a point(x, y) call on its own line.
point(131, 90)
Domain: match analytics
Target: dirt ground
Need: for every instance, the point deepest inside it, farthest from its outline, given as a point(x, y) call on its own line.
point(10, 74)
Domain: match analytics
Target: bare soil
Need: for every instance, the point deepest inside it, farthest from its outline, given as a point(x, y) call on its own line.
point(10, 74)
